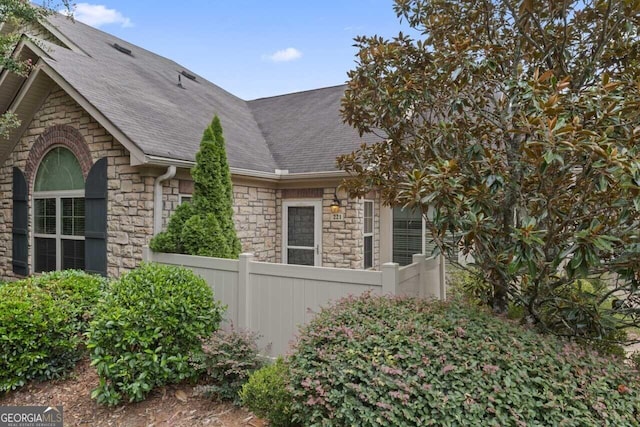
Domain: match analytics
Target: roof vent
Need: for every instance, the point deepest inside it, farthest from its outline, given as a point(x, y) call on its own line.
point(122, 49)
point(188, 75)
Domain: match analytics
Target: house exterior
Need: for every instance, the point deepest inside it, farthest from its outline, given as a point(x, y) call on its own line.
point(109, 132)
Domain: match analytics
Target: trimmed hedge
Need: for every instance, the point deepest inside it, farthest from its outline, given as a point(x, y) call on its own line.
point(377, 361)
point(146, 327)
point(266, 394)
point(41, 324)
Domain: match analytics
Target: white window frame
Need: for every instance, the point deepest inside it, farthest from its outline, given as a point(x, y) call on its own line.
point(58, 196)
point(371, 234)
point(317, 235)
point(181, 198)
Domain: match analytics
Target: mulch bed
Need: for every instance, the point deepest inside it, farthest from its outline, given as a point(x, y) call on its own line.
point(176, 406)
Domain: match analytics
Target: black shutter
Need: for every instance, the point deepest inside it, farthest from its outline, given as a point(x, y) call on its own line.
point(95, 219)
point(20, 241)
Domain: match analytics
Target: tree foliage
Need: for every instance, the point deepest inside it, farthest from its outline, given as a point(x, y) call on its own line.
point(205, 225)
point(16, 14)
point(514, 126)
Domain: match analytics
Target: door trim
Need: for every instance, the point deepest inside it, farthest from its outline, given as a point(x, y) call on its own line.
point(317, 234)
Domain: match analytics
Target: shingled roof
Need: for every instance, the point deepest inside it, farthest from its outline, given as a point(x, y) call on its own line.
point(139, 94)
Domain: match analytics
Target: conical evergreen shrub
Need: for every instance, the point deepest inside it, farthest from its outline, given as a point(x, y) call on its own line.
point(205, 226)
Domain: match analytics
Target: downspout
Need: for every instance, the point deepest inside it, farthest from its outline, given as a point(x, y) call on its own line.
point(157, 198)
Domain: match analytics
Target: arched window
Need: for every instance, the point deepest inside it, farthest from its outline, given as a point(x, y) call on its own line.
point(58, 213)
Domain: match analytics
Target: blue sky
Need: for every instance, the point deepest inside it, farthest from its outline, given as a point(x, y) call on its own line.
point(251, 48)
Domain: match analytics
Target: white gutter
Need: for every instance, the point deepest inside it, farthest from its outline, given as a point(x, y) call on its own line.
point(157, 198)
point(277, 175)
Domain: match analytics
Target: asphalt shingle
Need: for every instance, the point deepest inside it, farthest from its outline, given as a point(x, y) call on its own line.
point(140, 95)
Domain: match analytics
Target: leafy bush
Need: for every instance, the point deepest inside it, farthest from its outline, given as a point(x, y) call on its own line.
point(227, 360)
point(581, 310)
point(41, 319)
point(470, 284)
point(377, 361)
point(170, 240)
point(146, 327)
point(266, 394)
point(202, 235)
point(635, 360)
point(205, 226)
point(81, 291)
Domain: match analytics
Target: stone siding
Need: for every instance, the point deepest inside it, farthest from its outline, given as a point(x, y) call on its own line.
point(130, 195)
point(342, 240)
point(254, 215)
point(257, 209)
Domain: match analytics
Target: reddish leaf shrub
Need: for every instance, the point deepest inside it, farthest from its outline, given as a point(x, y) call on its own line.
point(377, 361)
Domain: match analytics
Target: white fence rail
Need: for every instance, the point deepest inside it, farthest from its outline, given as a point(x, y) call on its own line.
point(275, 299)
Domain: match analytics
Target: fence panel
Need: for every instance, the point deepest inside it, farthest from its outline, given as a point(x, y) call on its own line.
point(275, 299)
point(284, 297)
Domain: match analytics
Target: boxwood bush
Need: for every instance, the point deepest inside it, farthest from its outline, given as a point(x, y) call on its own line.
point(41, 322)
point(267, 396)
point(146, 327)
point(378, 361)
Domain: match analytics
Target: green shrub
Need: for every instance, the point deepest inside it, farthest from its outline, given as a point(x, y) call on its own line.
point(581, 310)
point(227, 360)
point(145, 328)
point(469, 283)
point(37, 336)
point(378, 361)
point(170, 240)
point(41, 321)
point(205, 225)
point(266, 394)
point(81, 291)
point(203, 236)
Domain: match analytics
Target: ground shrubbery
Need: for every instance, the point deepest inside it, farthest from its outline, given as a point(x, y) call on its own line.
point(41, 324)
point(266, 394)
point(378, 361)
point(226, 361)
point(146, 327)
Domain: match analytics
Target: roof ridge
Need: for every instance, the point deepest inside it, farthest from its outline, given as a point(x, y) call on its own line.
point(297, 92)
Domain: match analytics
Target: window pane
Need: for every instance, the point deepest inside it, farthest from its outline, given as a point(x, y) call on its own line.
point(45, 216)
point(368, 252)
point(300, 226)
point(59, 170)
point(407, 235)
point(73, 216)
point(368, 217)
point(45, 254)
point(73, 254)
point(300, 256)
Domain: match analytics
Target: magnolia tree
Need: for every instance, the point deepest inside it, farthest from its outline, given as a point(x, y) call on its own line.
point(14, 14)
point(513, 126)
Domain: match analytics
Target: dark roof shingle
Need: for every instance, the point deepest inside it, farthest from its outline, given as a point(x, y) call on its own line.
point(139, 94)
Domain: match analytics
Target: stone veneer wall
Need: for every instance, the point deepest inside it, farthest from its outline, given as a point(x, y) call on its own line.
point(257, 210)
point(342, 240)
point(254, 211)
point(130, 197)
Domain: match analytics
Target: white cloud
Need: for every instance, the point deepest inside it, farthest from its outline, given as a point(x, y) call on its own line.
point(98, 15)
point(284, 55)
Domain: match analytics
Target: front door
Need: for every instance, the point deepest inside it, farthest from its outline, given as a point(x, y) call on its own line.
point(302, 232)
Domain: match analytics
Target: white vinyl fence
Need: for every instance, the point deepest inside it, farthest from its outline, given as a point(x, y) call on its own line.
point(275, 299)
